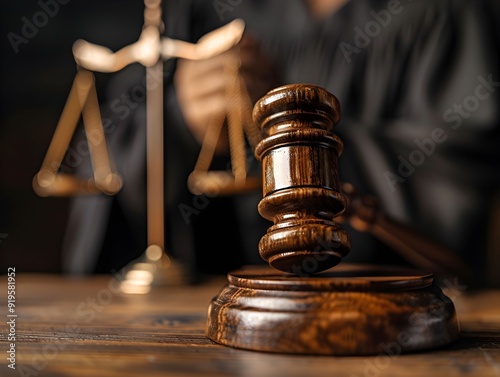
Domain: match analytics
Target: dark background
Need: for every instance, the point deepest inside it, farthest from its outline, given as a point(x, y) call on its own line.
point(35, 83)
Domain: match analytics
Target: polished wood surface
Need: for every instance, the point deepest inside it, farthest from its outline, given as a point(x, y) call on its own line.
point(74, 327)
point(347, 310)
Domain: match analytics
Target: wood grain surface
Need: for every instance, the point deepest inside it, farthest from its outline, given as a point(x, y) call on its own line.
point(84, 327)
point(351, 309)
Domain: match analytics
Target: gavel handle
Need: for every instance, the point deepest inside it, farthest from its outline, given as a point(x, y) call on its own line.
point(364, 214)
point(419, 250)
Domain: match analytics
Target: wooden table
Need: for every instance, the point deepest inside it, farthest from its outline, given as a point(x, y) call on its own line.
point(85, 327)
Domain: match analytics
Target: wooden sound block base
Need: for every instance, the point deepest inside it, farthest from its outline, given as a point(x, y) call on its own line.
point(347, 310)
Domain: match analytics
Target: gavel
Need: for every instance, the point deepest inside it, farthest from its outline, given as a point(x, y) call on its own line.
point(301, 187)
point(303, 196)
point(303, 302)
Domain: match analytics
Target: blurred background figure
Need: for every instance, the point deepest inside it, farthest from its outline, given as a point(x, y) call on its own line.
point(418, 85)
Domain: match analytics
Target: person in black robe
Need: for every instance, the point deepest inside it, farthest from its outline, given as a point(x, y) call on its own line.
point(418, 86)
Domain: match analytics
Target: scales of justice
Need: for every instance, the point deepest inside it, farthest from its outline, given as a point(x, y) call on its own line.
point(306, 301)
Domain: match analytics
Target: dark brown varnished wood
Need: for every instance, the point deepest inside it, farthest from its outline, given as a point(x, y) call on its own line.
point(345, 310)
point(301, 189)
point(73, 327)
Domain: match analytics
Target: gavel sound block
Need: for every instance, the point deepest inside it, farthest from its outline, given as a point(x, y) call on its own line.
point(302, 303)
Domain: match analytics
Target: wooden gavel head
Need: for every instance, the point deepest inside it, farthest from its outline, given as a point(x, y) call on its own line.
point(301, 188)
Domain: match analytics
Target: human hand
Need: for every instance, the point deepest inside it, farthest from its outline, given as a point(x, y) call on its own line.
point(202, 85)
